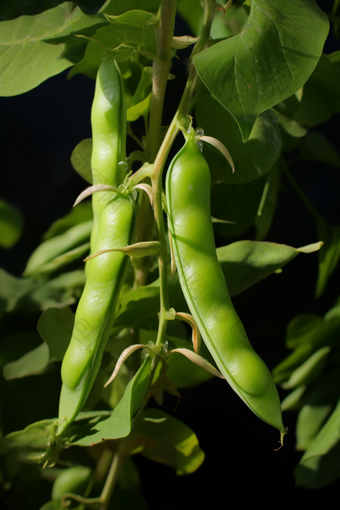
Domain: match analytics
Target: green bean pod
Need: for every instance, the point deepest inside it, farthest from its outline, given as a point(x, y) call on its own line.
point(204, 287)
point(97, 306)
point(108, 120)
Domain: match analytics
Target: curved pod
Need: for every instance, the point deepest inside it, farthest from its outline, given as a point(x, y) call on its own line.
point(205, 289)
point(97, 306)
point(108, 120)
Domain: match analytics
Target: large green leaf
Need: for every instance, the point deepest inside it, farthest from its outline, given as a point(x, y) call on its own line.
point(269, 61)
point(320, 463)
point(245, 263)
point(252, 159)
point(34, 48)
point(238, 204)
point(120, 422)
point(165, 439)
point(320, 97)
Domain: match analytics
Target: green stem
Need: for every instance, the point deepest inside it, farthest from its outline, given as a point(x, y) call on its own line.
point(103, 501)
point(158, 167)
point(302, 195)
point(161, 68)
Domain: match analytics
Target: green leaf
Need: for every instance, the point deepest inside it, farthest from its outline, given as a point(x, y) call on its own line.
point(81, 159)
point(316, 147)
point(309, 336)
point(135, 18)
point(267, 207)
point(301, 328)
point(130, 39)
point(252, 159)
point(80, 214)
point(329, 255)
point(318, 401)
point(320, 97)
point(55, 328)
point(245, 263)
point(139, 110)
point(43, 258)
point(290, 126)
point(34, 48)
point(310, 370)
point(32, 363)
point(10, 225)
point(182, 372)
point(26, 296)
point(165, 439)
point(116, 7)
point(269, 61)
point(320, 465)
point(238, 204)
point(119, 424)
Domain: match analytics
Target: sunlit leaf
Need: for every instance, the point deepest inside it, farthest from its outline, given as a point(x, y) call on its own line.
point(34, 48)
point(270, 60)
point(165, 439)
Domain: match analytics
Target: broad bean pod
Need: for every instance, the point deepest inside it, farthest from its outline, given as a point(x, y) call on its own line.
point(108, 120)
point(204, 287)
point(97, 306)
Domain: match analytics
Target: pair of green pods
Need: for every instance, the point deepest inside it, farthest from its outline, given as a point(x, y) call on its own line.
point(113, 228)
point(204, 287)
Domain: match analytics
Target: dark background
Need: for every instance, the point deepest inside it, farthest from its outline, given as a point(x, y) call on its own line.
point(38, 131)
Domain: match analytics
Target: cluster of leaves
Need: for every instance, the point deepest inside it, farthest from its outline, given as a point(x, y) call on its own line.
point(278, 91)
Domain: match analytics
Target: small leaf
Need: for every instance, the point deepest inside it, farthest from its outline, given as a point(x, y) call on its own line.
point(81, 159)
point(10, 225)
point(139, 110)
point(319, 465)
point(329, 255)
point(309, 370)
